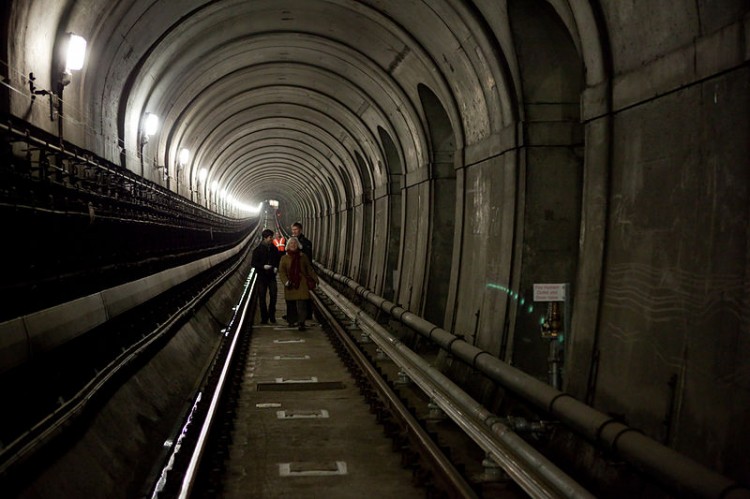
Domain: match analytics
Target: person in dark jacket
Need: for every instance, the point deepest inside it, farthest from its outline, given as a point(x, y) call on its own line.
point(265, 261)
point(303, 241)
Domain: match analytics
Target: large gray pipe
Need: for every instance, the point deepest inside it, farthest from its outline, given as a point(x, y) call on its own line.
point(666, 465)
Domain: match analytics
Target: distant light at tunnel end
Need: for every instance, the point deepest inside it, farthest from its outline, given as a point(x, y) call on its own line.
point(247, 208)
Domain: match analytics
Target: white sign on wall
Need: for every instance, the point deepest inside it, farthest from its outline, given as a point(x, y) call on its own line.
point(549, 292)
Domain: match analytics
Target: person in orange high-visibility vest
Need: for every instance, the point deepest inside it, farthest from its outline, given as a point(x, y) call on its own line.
point(279, 242)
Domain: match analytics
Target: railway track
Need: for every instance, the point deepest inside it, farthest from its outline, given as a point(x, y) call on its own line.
point(327, 412)
point(340, 410)
point(52, 400)
point(302, 415)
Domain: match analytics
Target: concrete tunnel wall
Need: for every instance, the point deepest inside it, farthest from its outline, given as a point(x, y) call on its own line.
point(600, 144)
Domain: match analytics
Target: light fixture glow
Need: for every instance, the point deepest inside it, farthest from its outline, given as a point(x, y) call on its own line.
point(150, 125)
point(214, 186)
point(183, 157)
point(202, 174)
point(76, 52)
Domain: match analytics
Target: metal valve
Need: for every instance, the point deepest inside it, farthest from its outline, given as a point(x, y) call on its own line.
point(552, 324)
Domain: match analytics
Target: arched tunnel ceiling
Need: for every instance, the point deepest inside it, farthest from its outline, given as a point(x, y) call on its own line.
point(297, 72)
point(278, 98)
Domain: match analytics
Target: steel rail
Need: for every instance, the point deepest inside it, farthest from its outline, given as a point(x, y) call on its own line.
point(191, 472)
point(451, 477)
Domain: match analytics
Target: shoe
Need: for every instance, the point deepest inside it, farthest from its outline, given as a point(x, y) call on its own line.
point(301, 327)
point(273, 321)
point(283, 317)
point(292, 324)
point(264, 322)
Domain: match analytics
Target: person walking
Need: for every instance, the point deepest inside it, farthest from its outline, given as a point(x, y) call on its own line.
point(303, 241)
point(298, 276)
point(307, 249)
point(265, 261)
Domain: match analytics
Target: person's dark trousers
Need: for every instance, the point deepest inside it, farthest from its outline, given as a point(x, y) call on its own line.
point(267, 311)
point(308, 304)
point(296, 311)
point(291, 312)
point(302, 310)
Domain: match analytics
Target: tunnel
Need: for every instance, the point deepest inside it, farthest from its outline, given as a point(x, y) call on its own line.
point(562, 185)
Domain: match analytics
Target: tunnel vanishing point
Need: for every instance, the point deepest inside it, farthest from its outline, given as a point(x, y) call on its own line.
point(491, 166)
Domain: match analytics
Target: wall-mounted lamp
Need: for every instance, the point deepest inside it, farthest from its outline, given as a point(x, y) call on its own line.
point(71, 58)
point(150, 125)
point(200, 190)
point(183, 157)
point(75, 53)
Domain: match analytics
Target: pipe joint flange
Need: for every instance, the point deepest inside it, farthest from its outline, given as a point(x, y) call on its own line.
point(480, 353)
point(623, 431)
point(390, 310)
point(553, 401)
point(606, 428)
point(429, 334)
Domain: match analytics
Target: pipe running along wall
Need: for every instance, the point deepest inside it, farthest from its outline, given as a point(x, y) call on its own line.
point(675, 470)
point(537, 475)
